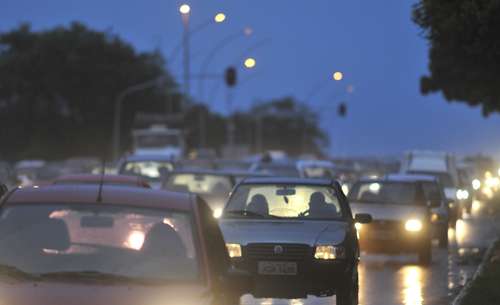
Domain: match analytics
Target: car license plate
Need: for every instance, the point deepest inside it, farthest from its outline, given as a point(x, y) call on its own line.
point(277, 268)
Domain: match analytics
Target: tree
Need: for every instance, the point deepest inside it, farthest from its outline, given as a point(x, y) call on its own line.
point(57, 90)
point(281, 124)
point(464, 50)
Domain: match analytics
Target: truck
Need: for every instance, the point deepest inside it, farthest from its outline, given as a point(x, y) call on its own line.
point(159, 140)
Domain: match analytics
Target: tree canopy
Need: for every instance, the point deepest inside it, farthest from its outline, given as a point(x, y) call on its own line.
point(58, 89)
point(464, 50)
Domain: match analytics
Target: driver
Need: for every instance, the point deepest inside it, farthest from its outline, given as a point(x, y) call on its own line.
point(258, 205)
point(318, 207)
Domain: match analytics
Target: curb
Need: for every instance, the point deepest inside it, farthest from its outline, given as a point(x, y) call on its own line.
point(458, 300)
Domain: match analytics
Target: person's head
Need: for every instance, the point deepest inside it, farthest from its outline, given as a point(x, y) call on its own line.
point(163, 241)
point(317, 200)
point(259, 204)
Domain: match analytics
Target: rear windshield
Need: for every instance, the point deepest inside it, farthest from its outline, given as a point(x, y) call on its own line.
point(444, 178)
point(199, 184)
point(382, 192)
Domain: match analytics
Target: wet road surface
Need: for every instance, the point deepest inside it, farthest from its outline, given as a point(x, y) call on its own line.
point(398, 279)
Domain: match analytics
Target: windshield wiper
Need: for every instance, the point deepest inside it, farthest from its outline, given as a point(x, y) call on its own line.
point(250, 213)
point(94, 276)
point(14, 272)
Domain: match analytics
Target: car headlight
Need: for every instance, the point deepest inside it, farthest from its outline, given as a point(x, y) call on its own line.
point(329, 252)
point(435, 217)
point(462, 194)
point(234, 250)
point(413, 225)
point(217, 213)
point(358, 226)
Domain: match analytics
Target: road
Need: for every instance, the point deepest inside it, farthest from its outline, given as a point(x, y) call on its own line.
point(389, 279)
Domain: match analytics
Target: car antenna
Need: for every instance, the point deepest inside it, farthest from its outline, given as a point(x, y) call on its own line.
point(101, 181)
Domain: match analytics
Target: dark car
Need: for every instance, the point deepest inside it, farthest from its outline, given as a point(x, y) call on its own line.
point(401, 216)
point(82, 244)
point(297, 237)
point(104, 179)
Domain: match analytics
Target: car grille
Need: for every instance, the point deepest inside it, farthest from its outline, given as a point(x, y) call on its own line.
point(295, 252)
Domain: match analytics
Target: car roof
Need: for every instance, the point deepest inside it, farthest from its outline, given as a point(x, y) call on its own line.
point(287, 180)
point(413, 178)
point(403, 178)
point(218, 172)
point(163, 158)
point(115, 195)
point(134, 180)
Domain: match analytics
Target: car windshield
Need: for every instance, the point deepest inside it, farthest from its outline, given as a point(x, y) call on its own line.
point(199, 183)
point(284, 201)
point(384, 192)
point(82, 242)
point(444, 178)
point(157, 140)
point(279, 170)
point(150, 170)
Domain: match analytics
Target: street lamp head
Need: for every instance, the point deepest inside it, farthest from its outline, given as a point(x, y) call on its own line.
point(338, 76)
point(248, 31)
point(220, 17)
point(250, 63)
point(184, 9)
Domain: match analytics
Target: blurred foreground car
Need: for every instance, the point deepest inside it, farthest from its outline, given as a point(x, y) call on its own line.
point(117, 180)
point(401, 216)
point(296, 235)
point(150, 167)
point(115, 245)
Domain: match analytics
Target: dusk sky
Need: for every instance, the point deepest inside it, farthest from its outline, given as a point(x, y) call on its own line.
point(374, 44)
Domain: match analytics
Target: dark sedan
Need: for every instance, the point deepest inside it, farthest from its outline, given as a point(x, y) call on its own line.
point(296, 235)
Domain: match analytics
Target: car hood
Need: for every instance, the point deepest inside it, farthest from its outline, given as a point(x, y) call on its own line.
point(389, 211)
point(310, 232)
point(52, 293)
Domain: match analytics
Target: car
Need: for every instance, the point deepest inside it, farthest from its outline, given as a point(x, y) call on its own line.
point(316, 169)
point(277, 168)
point(213, 186)
point(296, 236)
point(153, 168)
point(401, 217)
point(436, 200)
point(105, 179)
point(104, 244)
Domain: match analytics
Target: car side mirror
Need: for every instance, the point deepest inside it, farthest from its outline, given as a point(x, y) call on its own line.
point(363, 218)
point(3, 190)
point(239, 281)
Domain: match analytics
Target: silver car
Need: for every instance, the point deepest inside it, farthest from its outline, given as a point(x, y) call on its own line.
point(401, 216)
point(297, 236)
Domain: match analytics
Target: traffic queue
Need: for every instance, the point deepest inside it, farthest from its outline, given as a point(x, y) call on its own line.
point(166, 232)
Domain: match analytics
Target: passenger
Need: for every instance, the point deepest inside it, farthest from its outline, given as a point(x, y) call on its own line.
point(258, 205)
point(318, 207)
point(163, 241)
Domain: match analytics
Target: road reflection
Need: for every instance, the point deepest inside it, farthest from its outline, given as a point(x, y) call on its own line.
point(412, 285)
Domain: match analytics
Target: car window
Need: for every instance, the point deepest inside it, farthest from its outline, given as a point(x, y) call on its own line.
point(150, 170)
point(200, 183)
point(444, 178)
point(287, 201)
point(134, 243)
point(382, 192)
point(432, 191)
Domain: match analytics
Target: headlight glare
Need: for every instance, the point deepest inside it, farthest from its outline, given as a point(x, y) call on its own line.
point(217, 212)
point(234, 250)
point(329, 252)
point(413, 225)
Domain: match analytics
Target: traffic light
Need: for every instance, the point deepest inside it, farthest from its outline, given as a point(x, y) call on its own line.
point(342, 110)
point(230, 76)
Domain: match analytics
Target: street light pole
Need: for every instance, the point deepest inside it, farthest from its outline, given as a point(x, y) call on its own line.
point(185, 11)
point(118, 110)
